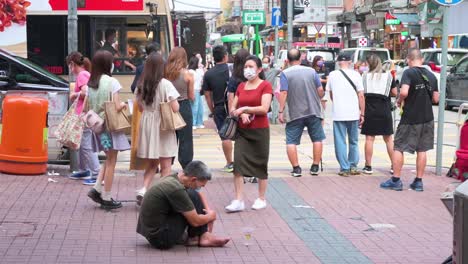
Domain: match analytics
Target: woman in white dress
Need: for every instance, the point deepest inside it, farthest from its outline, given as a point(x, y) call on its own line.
point(156, 145)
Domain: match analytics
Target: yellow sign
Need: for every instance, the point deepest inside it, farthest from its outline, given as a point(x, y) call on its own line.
point(45, 137)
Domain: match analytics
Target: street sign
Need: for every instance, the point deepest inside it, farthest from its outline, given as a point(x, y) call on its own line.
point(448, 2)
point(318, 26)
point(253, 17)
point(362, 42)
point(253, 4)
point(276, 20)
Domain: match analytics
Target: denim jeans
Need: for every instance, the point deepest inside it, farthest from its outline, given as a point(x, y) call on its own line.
point(197, 109)
point(88, 159)
point(347, 158)
point(185, 135)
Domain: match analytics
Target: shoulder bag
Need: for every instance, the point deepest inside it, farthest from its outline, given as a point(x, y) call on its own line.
point(229, 128)
point(349, 80)
point(170, 120)
point(70, 129)
point(116, 121)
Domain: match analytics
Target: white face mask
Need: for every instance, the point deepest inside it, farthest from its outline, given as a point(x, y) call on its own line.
point(250, 73)
point(112, 68)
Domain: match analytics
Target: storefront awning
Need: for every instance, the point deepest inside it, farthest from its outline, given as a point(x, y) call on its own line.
point(409, 19)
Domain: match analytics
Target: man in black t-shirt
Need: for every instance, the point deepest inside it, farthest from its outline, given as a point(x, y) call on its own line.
point(214, 88)
point(415, 133)
point(175, 203)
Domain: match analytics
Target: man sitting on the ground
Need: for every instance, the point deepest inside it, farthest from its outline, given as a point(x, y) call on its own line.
point(173, 204)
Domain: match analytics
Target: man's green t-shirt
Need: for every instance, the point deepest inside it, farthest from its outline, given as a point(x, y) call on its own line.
point(168, 196)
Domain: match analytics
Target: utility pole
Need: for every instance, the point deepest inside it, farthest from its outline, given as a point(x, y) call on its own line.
point(72, 46)
point(290, 23)
point(443, 84)
point(326, 24)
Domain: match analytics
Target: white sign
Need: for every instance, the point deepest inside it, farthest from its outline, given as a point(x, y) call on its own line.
point(362, 42)
point(253, 4)
point(356, 30)
point(372, 23)
point(310, 15)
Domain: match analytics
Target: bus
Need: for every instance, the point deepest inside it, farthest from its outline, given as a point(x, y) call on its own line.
point(234, 42)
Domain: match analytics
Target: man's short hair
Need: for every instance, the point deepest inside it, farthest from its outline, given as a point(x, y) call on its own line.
point(414, 54)
point(199, 170)
point(152, 47)
point(218, 53)
point(294, 55)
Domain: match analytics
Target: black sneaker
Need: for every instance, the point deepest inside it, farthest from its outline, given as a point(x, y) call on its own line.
point(112, 204)
point(417, 186)
point(95, 196)
point(314, 169)
point(367, 169)
point(296, 172)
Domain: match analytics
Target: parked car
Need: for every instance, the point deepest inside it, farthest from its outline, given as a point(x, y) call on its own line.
point(433, 58)
point(20, 76)
point(457, 84)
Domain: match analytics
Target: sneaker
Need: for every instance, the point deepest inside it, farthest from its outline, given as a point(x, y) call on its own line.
point(140, 195)
point(228, 168)
point(344, 173)
point(112, 204)
point(390, 185)
point(354, 171)
point(296, 172)
point(417, 186)
point(259, 204)
point(90, 182)
point(235, 206)
point(194, 127)
point(201, 126)
point(314, 169)
point(95, 196)
point(80, 175)
point(367, 169)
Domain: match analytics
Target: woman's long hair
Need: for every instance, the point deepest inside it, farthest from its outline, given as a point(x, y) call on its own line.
point(238, 67)
point(152, 75)
point(175, 63)
point(375, 66)
point(193, 63)
point(258, 62)
point(315, 61)
point(101, 64)
point(78, 59)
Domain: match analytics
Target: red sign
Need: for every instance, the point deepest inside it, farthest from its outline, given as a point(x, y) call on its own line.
point(99, 5)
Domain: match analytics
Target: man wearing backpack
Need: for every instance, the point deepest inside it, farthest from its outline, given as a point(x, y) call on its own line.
point(347, 95)
point(415, 133)
point(214, 88)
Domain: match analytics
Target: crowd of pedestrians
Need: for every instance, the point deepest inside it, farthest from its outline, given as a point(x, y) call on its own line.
point(361, 99)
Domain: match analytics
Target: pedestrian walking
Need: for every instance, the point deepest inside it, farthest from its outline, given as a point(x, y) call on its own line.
point(214, 88)
point(318, 64)
point(362, 67)
point(175, 204)
point(347, 94)
point(378, 87)
point(176, 72)
point(415, 132)
point(302, 91)
point(252, 147)
point(101, 84)
point(79, 66)
point(237, 76)
point(271, 75)
point(197, 104)
point(157, 146)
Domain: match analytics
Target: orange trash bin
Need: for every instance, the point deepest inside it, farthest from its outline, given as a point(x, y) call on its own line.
point(23, 135)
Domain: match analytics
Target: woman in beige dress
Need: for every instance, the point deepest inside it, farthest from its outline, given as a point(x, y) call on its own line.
point(154, 144)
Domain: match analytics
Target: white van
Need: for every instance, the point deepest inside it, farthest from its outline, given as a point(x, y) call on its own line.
point(360, 54)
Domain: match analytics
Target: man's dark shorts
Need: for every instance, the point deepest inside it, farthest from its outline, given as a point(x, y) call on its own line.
point(414, 138)
point(219, 115)
point(295, 128)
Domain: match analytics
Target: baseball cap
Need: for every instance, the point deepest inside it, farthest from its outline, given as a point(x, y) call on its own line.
point(343, 57)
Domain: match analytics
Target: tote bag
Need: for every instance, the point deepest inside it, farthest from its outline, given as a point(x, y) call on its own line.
point(70, 130)
point(116, 121)
point(170, 120)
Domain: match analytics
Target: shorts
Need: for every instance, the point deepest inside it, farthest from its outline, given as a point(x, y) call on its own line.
point(414, 138)
point(295, 128)
point(219, 116)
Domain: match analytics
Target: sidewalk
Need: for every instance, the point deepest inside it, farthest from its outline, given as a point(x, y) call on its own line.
point(323, 219)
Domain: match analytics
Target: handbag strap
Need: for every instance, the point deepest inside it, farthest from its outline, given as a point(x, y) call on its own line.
point(349, 80)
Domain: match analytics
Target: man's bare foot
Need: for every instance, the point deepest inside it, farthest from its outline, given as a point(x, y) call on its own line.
point(192, 241)
point(209, 240)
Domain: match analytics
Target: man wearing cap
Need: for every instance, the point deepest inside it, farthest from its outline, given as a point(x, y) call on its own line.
point(347, 95)
point(302, 89)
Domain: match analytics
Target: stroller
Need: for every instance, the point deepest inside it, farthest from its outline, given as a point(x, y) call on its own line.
point(459, 168)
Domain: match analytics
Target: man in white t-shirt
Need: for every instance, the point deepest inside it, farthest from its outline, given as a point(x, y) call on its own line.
point(347, 95)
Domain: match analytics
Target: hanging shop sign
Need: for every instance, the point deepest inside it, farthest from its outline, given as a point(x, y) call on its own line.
point(356, 30)
point(373, 22)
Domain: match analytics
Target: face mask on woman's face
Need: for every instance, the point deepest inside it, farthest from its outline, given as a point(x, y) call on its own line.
point(250, 73)
point(320, 63)
point(265, 66)
point(363, 68)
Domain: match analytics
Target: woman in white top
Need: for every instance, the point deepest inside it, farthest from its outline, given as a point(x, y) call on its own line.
point(197, 104)
point(378, 87)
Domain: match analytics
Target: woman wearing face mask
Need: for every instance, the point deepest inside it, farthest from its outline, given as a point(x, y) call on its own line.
point(80, 66)
point(362, 67)
point(251, 151)
point(101, 85)
point(318, 64)
point(378, 87)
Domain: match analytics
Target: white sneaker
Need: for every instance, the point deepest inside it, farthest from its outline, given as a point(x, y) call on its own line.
point(201, 126)
point(140, 195)
point(259, 204)
point(235, 206)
